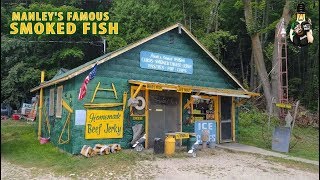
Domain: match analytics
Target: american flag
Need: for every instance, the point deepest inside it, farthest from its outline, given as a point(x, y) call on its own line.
point(83, 88)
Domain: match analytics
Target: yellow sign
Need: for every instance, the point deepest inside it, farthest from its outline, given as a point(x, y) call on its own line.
point(184, 89)
point(154, 87)
point(137, 118)
point(104, 124)
point(282, 105)
point(182, 135)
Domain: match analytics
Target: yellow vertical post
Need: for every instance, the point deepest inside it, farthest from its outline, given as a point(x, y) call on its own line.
point(181, 108)
point(147, 118)
point(40, 105)
point(217, 117)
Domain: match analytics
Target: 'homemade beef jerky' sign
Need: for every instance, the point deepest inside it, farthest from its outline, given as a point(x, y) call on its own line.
point(103, 124)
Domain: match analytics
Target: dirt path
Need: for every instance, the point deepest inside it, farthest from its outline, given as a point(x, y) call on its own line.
point(217, 164)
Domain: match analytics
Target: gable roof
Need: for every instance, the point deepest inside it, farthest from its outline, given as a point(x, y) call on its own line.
point(80, 69)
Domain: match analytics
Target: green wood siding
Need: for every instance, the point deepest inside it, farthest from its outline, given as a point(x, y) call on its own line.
point(127, 66)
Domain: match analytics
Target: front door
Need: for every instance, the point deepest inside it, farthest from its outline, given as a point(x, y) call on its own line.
point(164, 114)
point(226, 120)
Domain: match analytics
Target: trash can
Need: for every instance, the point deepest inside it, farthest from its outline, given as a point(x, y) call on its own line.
point(170, 144)
point(192, 139)
point(158, 146)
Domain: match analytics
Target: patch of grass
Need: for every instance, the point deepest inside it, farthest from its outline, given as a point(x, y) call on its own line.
point(294, 164)
point(253, 130)
point(19, 145)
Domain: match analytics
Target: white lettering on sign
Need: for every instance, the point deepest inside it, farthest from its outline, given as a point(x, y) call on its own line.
point(205, 125)
point(163, 62)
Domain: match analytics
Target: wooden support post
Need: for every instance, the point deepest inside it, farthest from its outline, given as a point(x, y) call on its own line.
point(124, 100)
point(295, 114)
point(147, 119)
point(95, 92)
point(137, 91)
point(40, 105)
point(114, 91)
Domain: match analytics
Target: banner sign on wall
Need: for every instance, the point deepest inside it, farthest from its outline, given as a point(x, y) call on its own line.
point(104, 124)
point(163, 62)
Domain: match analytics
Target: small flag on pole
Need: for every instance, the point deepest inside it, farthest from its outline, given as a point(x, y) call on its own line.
point(83, 88)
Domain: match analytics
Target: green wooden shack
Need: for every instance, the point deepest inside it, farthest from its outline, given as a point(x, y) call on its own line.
point(167, 82)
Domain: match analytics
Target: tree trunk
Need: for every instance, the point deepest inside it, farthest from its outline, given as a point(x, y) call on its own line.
point(261, 68)
point(286, 14)
point(241, 63)
point(253, 79)
point(257, 52)
point(184, 13)
point(213, 24)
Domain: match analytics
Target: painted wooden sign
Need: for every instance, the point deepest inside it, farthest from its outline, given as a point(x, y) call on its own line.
point(138, 118)
point(206, 125)
point(282, 105)
point(155, 87)
point(182, 135)
point(184, 89)
point(104, 124)
point(164, 62)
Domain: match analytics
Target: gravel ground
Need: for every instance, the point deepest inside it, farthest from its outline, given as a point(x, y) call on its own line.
point(212, 164)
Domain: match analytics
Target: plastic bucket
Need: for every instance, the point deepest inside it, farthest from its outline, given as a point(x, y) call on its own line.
point(15, 117)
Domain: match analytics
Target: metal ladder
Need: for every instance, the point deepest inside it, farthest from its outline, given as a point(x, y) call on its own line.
point(283, 89)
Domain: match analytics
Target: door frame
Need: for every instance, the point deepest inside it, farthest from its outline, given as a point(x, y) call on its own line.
point(232, 119)
point(147, 115)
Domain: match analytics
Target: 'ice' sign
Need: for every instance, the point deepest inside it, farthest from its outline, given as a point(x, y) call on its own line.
point(207, 125)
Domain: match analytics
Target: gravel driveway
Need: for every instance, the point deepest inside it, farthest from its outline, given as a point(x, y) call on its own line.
point(212, 164)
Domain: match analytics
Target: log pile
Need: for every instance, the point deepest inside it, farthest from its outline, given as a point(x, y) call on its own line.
point(100, 149)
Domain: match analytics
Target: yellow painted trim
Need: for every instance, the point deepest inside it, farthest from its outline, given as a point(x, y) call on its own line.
point(95, 105)
point(137, 91)
point(95, 92)
point(113, 89)
point(40, 106)
point(124, 100)
point(132, 90)
point(198, 89)
point(66, 106)
point(218, 114)
point(181, 109)
point(147, 118)
point(233, 120)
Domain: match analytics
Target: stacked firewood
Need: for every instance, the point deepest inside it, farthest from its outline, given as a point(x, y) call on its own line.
point(100, 149)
